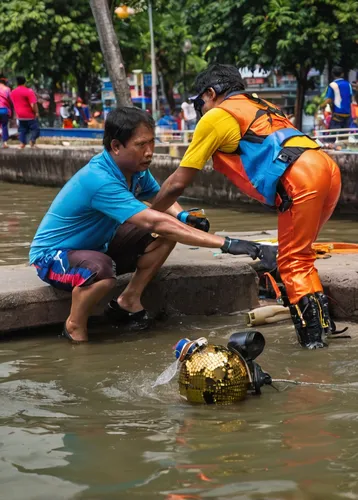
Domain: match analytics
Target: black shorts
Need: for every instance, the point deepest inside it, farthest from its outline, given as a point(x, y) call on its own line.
point(70, 268)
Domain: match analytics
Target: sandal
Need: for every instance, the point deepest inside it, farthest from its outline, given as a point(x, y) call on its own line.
point(137, 321)
point(66, 335)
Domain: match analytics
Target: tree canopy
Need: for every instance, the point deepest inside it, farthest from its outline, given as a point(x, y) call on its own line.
point(58, 39)
point(54, 38)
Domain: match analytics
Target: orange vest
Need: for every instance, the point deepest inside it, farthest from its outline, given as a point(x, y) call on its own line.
point(256, 167)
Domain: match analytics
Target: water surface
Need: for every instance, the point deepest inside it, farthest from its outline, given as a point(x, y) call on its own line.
point(84, 423)
point(22, 208)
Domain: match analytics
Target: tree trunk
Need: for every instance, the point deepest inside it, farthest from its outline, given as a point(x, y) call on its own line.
point(168, 89)
point(81, 85)
point(111, 52)
point(52, 106)
point(300, 96)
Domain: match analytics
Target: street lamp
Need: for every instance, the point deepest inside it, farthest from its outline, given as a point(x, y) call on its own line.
point(123, 12)
point(138, 72)
point(186, 48)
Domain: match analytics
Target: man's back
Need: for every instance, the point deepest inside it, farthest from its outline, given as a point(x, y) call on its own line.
point(22, 98)
point(340, 92)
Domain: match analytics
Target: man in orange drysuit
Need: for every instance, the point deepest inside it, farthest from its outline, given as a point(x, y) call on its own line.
point(255, 146)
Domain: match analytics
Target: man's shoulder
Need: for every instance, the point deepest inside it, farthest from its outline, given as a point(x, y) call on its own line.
point(96, 174)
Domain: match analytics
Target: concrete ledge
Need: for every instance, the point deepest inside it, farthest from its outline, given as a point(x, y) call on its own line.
point(193, 282)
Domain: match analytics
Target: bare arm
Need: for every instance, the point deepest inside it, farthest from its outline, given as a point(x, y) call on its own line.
point(174, 210)
point(325, 102)
point(169, 227)
point(173, 187)
point(35, 108)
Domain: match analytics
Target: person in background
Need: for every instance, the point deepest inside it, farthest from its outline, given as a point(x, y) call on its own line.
point(66, 113)
point(96, 121)
point(189, 115)
point(167, 121)
point(6, 109)
point(339, 97)
point(82, 114)
point(27, 111)
point(81, 246)
point(257, 148)
point(354, 111)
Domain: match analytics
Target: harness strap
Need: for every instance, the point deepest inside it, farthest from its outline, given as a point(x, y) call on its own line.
point(271, 280)
point(286, 200)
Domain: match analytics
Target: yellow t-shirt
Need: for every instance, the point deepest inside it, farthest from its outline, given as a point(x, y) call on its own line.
point(218, 130)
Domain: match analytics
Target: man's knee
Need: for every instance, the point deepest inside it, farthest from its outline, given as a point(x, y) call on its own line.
point(162, 242)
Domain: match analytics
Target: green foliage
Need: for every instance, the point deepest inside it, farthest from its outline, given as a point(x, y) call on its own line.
point(171, 29)
point(48, 37)
point(293, 35)
point(312, 107)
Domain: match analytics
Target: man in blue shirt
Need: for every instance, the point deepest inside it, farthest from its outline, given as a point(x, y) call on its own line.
point(98, 227)
point(339, 97)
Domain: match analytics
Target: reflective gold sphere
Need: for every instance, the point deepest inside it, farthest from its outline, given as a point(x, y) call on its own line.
point(213, 375)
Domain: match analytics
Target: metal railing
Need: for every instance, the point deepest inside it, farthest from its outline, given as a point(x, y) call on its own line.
point(338, 134)
point(165, 136)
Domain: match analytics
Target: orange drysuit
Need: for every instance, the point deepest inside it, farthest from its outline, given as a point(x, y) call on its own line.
point(314, 184)
point(311, 179)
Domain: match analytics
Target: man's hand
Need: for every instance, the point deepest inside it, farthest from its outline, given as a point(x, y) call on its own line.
point(195, 218)
point(241, 247)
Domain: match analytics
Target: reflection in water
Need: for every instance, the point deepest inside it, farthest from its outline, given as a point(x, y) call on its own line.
point(84, 422)
point(22, 208)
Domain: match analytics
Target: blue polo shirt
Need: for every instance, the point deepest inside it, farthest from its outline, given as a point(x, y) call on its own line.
point(87, 211)
point(340, 92)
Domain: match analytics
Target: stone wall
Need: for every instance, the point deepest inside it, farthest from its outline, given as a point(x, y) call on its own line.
point(54, 166)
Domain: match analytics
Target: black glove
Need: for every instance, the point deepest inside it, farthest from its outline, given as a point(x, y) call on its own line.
point(241, 247)
point(192, 220)
point(267, 255)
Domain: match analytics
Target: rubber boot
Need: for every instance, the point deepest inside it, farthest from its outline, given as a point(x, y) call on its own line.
point(328, 323)
point(307, 317)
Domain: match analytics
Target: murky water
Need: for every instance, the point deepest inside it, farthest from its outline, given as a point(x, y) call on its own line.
point(84, 423)
point(22, 208)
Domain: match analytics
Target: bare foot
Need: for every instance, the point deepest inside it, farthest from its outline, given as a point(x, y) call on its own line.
point(5, 145)
point(33, 146)
point(130, 306)
point(76, 333)
point(22, 146)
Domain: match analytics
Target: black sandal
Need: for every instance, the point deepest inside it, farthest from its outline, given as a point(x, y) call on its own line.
point(136, 321)
point(66, 335)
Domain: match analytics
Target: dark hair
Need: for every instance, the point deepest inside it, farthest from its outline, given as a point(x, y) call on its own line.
point(224, 78)
point(337, 70)
point(3, 78)
point(20, 80)
point(121, 124)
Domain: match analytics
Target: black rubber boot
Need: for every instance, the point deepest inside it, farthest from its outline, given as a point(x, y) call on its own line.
point(307, 316)
point(329, 325)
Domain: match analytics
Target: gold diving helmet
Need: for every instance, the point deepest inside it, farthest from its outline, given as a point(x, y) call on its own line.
point(214, 374)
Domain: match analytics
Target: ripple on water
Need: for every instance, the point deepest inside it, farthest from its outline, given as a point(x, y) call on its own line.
point(25, 455)
point(30, 398)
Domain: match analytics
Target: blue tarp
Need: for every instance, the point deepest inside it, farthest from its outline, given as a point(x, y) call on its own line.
point(85, 133)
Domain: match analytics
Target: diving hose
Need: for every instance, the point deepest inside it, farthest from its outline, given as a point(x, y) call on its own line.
point(317, 384)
